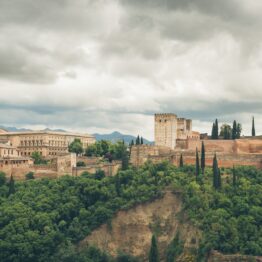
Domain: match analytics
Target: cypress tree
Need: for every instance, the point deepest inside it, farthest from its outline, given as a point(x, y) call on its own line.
point(213, 131)
point(234, 177)
point(234, 130)
point(239, 130)
point(216, 129)
point(153, 253)
point(117, 185)
point(174, 249)
point(132, 142)
point(138, 140)
point(11, 186)
point(215, 173)
point(219, 183)
point(125, 160)
point(197, 165)
point(253, 127)
point(203, 158)
point(142, 141)
point(181, 161)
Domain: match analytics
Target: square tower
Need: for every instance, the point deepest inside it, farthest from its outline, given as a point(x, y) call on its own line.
point(166, 130)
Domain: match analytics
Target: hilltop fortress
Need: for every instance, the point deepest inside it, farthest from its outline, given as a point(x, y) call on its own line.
point(170, 130)
point(174, 136)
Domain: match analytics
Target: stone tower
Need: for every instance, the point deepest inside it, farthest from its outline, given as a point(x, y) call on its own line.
point(166, 130)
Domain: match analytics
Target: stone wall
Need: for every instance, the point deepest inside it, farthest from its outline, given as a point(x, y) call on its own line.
point(59, 166)
point(140, 154)
point(110, 169)
point(89, 160)
point(247, 146)
point(224, 159)
point(229, 153)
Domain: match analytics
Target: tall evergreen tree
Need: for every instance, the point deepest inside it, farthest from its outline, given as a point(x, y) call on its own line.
point(216, 175)
point(153, 253)
point(117, 185)
point(203, 158)
point(141, 141)
point(174, 249)
point(125, 160)
point(197, 165)
point(181, 161)
point(216, 129)
point(132, 142)
point(253, 127)
point(138, 140)
point(234, 176)
point(219, 182)
point(11, 186)
point(213, 131)
point(239, 130)
point(234, 130)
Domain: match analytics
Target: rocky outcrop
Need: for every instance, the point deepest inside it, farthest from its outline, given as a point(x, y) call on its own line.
point(131, 231)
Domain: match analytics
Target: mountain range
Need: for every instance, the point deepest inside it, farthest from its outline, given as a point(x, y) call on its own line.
point(113, 137)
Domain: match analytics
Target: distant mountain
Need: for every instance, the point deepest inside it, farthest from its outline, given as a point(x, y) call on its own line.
point(56, 130)
point(14, 129)
point(116, 136)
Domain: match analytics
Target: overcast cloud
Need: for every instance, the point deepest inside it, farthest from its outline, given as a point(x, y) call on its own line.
point(100, 66)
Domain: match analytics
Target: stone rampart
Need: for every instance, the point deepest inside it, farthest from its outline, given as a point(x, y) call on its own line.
point(110, 169)
point(229, 153)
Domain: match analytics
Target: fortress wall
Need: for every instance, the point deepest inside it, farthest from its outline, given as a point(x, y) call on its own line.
point(225, 146)
point(225, 154)
point(249, 146)
point(65, 164)
point(92, 160)
point(20, 172)
point(224, 160)
point(110, 169)
point(239, 146)
point(140, 154)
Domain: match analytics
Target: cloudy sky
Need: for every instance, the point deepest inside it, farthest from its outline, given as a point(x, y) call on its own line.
point(100, 66)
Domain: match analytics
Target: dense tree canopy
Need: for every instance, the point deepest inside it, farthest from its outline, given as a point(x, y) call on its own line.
point(107, 149)
point(38, 159)
point(44, 219)
point(76, 147)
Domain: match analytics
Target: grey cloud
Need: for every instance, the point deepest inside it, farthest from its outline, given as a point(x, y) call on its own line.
point(113, 64)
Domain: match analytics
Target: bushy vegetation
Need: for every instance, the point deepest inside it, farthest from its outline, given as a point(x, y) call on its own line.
point(44, 219)
point(103, 148)
point(38, 159)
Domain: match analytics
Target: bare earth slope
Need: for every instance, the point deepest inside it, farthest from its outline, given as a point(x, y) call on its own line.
point(131, 230)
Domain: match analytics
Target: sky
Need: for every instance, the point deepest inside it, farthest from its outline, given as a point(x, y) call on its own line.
point(100, 66)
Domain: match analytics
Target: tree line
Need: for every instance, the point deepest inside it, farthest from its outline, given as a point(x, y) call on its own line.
point(230, 132)
point(45, 219)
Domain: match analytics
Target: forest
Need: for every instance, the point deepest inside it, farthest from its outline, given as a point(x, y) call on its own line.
point(44, 219)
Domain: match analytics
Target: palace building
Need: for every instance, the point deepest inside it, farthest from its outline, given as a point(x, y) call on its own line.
point(47, 143)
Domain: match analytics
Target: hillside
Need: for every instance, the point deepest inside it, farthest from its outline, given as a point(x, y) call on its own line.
point(43, 219)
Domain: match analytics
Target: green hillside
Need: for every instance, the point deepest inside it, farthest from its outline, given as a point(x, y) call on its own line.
point(44, 219)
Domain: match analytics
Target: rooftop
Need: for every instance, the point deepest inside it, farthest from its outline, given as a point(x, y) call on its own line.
point(43, 132)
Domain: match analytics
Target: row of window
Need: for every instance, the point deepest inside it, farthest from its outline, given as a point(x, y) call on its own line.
point(40, 143)
point(9, 152)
